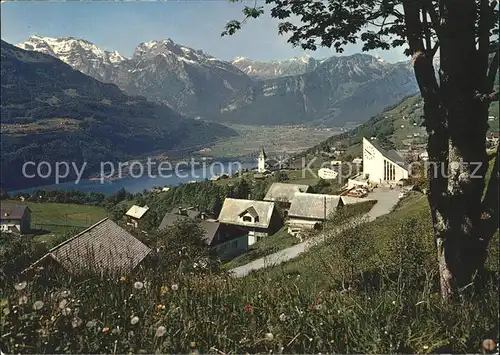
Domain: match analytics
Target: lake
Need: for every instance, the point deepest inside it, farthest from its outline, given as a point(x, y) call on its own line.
point(144, 182)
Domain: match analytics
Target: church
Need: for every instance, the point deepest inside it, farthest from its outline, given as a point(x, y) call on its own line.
point(380, 166)
point(269, 164)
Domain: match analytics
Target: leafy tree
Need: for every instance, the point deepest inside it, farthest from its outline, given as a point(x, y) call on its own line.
point(182, 250)
point(455, 105)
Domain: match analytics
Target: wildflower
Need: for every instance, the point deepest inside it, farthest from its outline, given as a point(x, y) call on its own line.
point(309, 308)
point(37, 305)
point(269, 336)
point(23, 300)
point(393, 302)
point(426, 347)
point(319, 307)
point(138, 285)
point(160, 331)
point(283, 317)
point(91, 323)
point(160, 307)
point(105, 329)
point(247, 308)
point(134, 320)
point(20, 285)
point(163, 289)
point(175, 287)
point(66, 311)
point(76, 322)
point(63, 304)
point(4, 302)
point(318, 302)
point(123, 278)
point(489, 344)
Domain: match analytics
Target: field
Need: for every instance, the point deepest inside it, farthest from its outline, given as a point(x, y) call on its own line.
point(274, 139)
point(54, 220)
point(371, 290)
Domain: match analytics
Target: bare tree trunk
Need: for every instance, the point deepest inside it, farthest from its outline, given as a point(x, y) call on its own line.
point(437, 130)
point(461, 245)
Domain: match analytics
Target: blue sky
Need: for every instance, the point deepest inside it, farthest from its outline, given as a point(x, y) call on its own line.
point(122, 26)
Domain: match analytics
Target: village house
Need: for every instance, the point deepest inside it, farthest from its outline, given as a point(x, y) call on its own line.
point(15, 219)
point(284, 193)
point(134, 215)
point(227, 240)
point(382, 167)
point(104, 248)
point(259, 218)
point(310, 211)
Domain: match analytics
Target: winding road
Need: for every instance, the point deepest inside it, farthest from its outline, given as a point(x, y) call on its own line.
point(386, 200)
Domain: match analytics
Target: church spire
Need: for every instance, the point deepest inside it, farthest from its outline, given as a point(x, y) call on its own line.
point(262, 153)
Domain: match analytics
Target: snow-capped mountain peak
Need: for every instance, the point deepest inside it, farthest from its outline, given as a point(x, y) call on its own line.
point(81, 54)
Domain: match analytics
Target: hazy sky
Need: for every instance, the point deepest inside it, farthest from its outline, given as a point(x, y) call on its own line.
point(123, 25)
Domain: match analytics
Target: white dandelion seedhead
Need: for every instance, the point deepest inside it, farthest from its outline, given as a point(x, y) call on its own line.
point(63, 304)
point(76, 322)
point(283, 317)
point(269, 336)
point(23, 300)
point(174, 287)
point(20, 285)
point(134, 320)
point(138, 285)
point(160, 331)
point(65, 293)
point(38, 305)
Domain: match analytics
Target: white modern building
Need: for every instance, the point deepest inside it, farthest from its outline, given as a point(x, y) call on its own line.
point(380, 166)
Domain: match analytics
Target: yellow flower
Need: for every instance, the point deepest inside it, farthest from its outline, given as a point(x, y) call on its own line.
point(164, 289)
point(123, 278)
point(4, 302)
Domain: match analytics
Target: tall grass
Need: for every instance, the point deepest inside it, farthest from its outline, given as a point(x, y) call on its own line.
point(370, 289)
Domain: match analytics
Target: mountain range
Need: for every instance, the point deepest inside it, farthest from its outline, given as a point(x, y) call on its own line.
point(303, 90)
point(51, 112)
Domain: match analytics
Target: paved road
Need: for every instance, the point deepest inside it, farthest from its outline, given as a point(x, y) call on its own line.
point(386, 198)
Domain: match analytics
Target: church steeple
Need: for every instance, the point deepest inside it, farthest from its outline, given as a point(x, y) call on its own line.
point(261, 161)
point(262, 153)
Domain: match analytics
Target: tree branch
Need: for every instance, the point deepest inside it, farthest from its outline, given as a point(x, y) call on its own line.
point(492, 73)
point(490, 202)
point(433, 15)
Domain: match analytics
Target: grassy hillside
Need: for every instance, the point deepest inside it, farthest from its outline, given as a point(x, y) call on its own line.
point(372, 290)
point(50, 112)
point(396, 127)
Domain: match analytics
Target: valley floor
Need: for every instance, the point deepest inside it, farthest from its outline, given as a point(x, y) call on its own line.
point(274, 139)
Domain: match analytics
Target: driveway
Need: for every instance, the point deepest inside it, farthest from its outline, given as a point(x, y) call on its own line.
point(386, 200)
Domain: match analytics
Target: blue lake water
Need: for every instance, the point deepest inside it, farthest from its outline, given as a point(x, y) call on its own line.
point(144, 182)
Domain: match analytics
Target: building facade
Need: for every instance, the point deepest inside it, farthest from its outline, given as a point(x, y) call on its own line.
point(15, 219)
point(382, 167)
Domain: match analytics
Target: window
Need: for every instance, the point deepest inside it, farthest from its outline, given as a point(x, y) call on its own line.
point(247, 219)
point(256, 219)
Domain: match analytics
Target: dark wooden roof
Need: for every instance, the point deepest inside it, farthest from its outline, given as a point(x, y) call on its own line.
point(9, 211)
point(102, 248)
